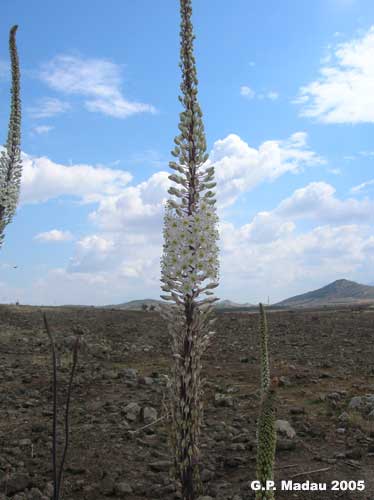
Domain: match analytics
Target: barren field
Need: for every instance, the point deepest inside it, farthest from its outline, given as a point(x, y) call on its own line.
point(324, 359)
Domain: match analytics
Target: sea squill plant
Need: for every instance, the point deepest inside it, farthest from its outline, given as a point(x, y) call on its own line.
point(189, 268)
point(10, 158)
point(266, 431)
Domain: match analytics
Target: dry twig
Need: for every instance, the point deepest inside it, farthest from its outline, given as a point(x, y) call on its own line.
point(310, 472)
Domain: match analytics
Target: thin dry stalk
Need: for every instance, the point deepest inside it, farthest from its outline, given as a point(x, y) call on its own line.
point(57, 477)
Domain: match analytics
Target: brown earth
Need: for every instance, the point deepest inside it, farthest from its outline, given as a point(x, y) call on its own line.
point(324, 358)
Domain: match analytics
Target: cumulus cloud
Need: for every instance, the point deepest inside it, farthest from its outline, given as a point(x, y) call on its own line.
point(317, 201)
point(99, 81)
point(139, 207)
point(293, 262)
point(343, 91)
point(54, 235)
point(311, 237)
point(240, 167)
point(43, 179)
point(47, 107)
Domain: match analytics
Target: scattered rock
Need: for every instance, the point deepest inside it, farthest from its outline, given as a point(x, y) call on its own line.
point(284, 381)
point(35, 494)
point(221, 400)
point(284, 444)
point(106, 486)
point(132, 411)
point(130, 373)
point(160, 466)
point(355, 453)
point(122, 488)
point(284, 428)
point(149, 414)
point(343, 417)
point(17, 483)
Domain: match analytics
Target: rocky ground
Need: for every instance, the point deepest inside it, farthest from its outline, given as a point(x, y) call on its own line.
point(326, 404)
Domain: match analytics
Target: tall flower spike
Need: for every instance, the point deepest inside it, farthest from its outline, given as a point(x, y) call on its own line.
point(189, 268)
point(266, 433)
point(10, 159)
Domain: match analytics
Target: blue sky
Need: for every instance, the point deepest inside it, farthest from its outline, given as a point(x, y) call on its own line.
point(288, 107)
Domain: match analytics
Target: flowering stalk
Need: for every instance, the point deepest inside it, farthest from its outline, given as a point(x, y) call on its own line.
point(189, 267)
point(266, 433)
point(10, 159)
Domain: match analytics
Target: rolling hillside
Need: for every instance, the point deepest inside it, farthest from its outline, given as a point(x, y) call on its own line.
point(339, 292)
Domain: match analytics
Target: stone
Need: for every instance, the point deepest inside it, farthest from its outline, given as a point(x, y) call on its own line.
point(35, 494)
point(149, 414)
point(284, 428)
point(223, 400)
point(297, 410)
point(17, 483)
point(284, 381)
point(334, 396)
point(355, 453)
point(206, 475)
point(343, 417)
point(284, 444)
point(145, 381)
point(122, 488)
point(24, 442)
point(132, 411)
point(356, 403)
point(130, 373)
point(106, 486)
point(160, 466)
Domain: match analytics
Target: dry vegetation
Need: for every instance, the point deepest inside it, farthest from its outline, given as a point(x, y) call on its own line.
point(323, 359)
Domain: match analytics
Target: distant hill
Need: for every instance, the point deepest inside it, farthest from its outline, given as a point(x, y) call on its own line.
point(229, 304)
point(339, 292)
point(136, 305)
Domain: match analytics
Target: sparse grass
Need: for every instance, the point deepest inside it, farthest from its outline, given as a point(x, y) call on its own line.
point(313, 402)
point(358, 421)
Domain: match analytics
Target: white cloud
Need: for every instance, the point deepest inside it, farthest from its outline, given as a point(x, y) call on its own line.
point(362, 186)
point(49, 106)
point(295, 263)
point(98, 80)
point(42, 129)
point(139, 208)
point(367, 154)
point(43, 179)
point(239, 167)
point(343, 92)
point(54, 235)
point(317, 201)
point(247, 92)
point(310, 238)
